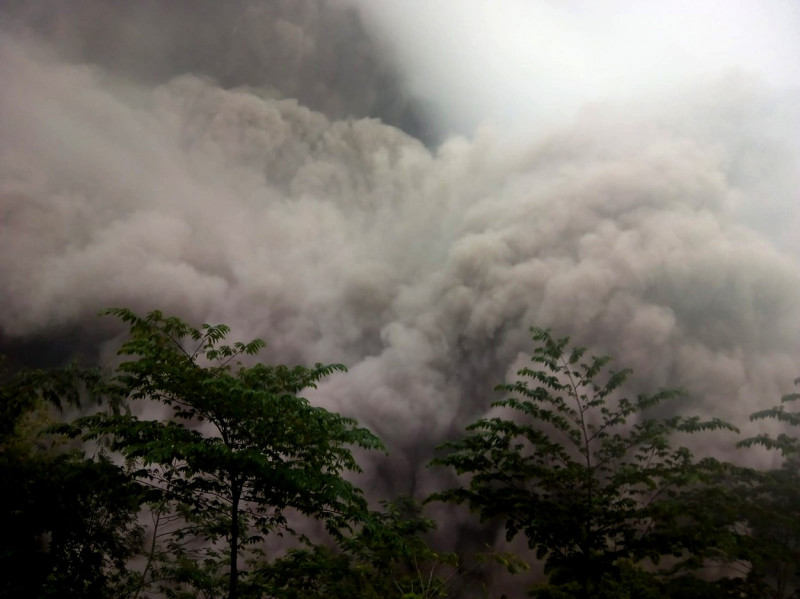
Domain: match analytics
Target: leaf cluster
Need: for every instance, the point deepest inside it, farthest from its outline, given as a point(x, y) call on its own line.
point(387, 557)
point(220, 451)
point(572, 470)
point(239, 448)
point(69, 522)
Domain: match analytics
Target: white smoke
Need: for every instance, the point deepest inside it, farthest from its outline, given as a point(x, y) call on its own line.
point(527, 63)
point(662, 233)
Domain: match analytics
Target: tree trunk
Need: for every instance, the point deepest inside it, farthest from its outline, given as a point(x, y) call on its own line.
point(236, 493)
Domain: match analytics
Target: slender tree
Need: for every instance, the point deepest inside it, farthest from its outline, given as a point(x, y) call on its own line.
point(237, 450)
point(566, 467)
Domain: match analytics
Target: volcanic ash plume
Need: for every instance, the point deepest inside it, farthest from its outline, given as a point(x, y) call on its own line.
point(244, 196)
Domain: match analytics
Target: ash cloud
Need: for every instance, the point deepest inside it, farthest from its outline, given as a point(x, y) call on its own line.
point(315, 51)
point(228, 172)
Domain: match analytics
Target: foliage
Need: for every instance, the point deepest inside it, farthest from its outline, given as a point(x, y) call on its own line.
point(788, 446)
point(218, 456)
point(387, 558)
point(28, 391)
point(236, 453)
point(773, 509)
point(567, 469)
point(69, 523)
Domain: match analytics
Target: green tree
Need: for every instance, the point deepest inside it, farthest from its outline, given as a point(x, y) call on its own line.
point(772, 512)
point(236, 452)
point(69, 523)
point(386, 558)
point(590, 490)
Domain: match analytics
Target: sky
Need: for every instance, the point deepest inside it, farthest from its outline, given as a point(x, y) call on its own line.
point(527, 64)
point(406, 187)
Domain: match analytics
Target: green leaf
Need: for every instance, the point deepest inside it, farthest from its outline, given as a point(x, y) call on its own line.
point(566, 469)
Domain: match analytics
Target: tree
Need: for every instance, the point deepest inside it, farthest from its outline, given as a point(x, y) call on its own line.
point(773, 509)
point(590, 490)
point(386, 558)
point(238, 450)
point(69, 523)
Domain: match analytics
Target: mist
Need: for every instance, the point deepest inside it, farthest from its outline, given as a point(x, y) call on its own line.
point(531, 65)
point(405, 188)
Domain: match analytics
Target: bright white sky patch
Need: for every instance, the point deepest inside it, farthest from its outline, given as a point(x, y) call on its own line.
point(526, 63)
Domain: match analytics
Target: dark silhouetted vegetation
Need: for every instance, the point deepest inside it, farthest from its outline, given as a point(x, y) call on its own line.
point(191, 458)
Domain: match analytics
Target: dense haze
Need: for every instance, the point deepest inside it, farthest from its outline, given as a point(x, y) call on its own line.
point(406, 188)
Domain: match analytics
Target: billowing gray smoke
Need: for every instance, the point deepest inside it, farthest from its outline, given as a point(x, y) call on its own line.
point(316, 52)
point(215, 160)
